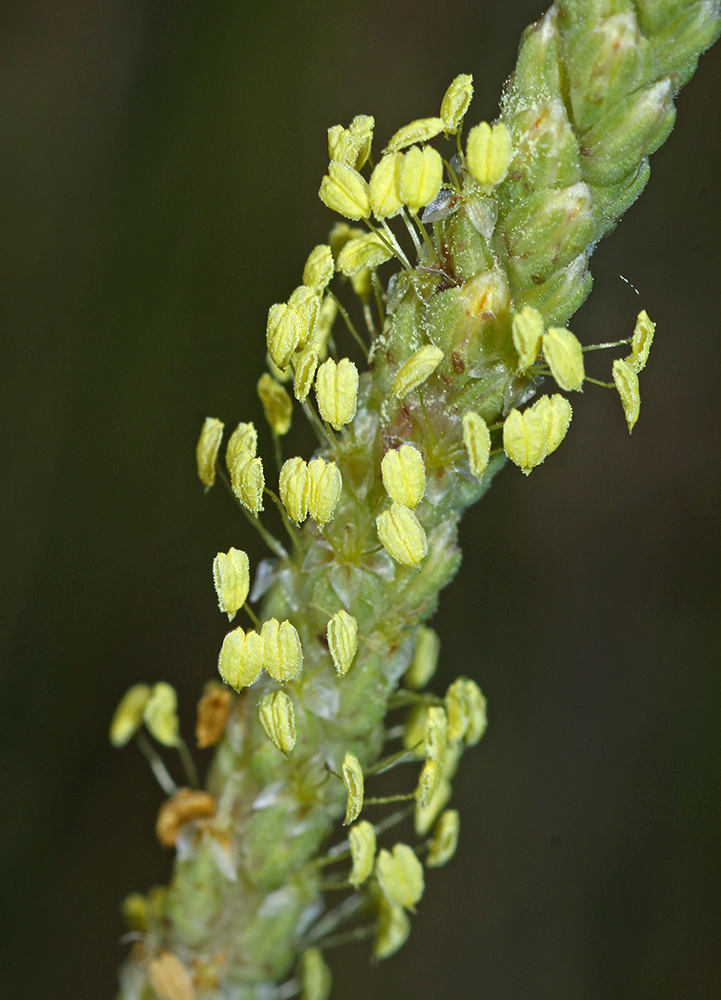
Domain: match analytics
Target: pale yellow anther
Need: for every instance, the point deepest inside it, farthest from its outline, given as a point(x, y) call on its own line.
point(277, 718)
point(352, 774)
point(429, 782)
point(305, 302)
point(361, 283)
point(404, 475)
point(340, 234)
point(425, 659)
point(282, 650)
point(414, 730)
point(294, 488)
point(425, 816)
point(283, 333)
point(277, 404)
point(336, 389)
point(314, 975)
point(324, 326)
point(306, 364)
point(400, 876)
point(416, 370)
point(436, 734)
point(444, 840)
point(128, 716)
point(207, 450)
point(341, 146)
point(325, 488)
point(555, 412)
point(392, 929)
point(489, 151)
point(352, 145)
point(385, 186)
point(342, 635)
point(279, 374)
point(169, 978)
point(527, 332)
point(421, 130)
point(161, 714)
point(466, 710)
point(319, 267)
point(402, 535)
point(344, 191)
point(626, 381)
point(368, 251)
point(243, 439)
point(231, 576)
point(421, 177)
point(248, 481)
point(477, 439)
point(455, 102)
point(564, 356)
point(524, 439)
point(241, 658)
point(641, 342)
point(362, 840)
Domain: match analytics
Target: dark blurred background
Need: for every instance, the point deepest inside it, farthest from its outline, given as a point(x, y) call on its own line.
point(159, 171)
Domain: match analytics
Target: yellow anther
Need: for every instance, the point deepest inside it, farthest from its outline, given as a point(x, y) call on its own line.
point(248, 481)
point(455, 102)
point(402, 535)
point(352, 145)
point(362, 284)
point(340, 234)
point(425, 816)
point(466, 710)
point(400, 876)
point(277, 404)
point(361, 129)
point(352, 774)
point(414, 730)
point(641, 342)
point(421, 130)
point(314, 975)
point(342, 634)
point(305, 302)
point(161, 714)
point(241, 658)
point(626, 381)
point(336, 389)
point(368, 251)
point(477, 439)
point(325, 488)
point(282, 650)
point(524, 439)
point(243, 439)
point(564, 357)
point(429, 782)
point(128, 716)
point(136, 912)
point(283, 333)
point(169, 978)
point(344, 191)
point(306, 364)
point(385, 186)
point(277, 718)
point(527, 331)
point(416, 370)
point(444, 840)
point(555, 412)
point(279, 374)
point(362, 839)
point(436, 734)
point(207, 450)
point(425, 659)
point(231, 575)
point(319, 267)
point(404, 475)
point(421, 177)
point(326, 318)
point(294, 488)
point(489, 151)
point(392, 929)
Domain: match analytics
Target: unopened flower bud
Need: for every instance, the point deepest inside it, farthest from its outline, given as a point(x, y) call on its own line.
point(241, 658)
point(524, 439)
point(421, 177)
point(325, 489)
point(436, 734)
point(392, 929)
point(466, 710)
point(404, 475)
point(455, 102)
point(416, 370)
point(128, 716)
point(294, 488)
point(488, 152)
point(626, 381)
point(555, 412)
point(344, 191)
point(277, 404)
point(400, 876)
point(385, 186)
point(277, 717)
point(342, 634)
point(402, 535)
point(169, 978)
point(182, 808)
point(231, 575)
point(314, 975)
point(363, 252)
point(527, 331)
point(161, 714)
point(425, 659)
point(282, 650)
point(477, 439)
point(429, 782)
point(248, 481)
point(319, 267)
point(243, 439)
point(283, 333)
point(336, 389)
point(444, 840)
point(213, 712)
point(421, 130)
point(207, 450)
point(362, 839)
point(641, 342)
point(564, 357)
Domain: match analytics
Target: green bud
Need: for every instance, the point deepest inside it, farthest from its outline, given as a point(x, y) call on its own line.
point(546, 151)
point(561, 295)
point(676, 47)
point(536, 71)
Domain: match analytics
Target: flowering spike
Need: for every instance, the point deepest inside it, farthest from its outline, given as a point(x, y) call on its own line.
point(248, 481)
point(161, 714)
point(641, 342)
point(277, 718)
point(128, 716)
point(420, 130)
point(400, 876)
point(352, 774)
point(363, 252)
point(325, 488)
point(342, 634)
point(444, 840)
point(455, 102)
point(305, 368)
point(626, 381)
point(362, 839)
point(231, 575)
point(344, 191)
point(243, 438)
point(425, 659)
point(402, 535)
point(277, 404)
point(421, 177)
point(416, 370)
point(314, 975)
point(524, 439)
point(527, 331)
point(564, 357)
point(489, 151)
point(282, 650)
point(385, 186)
point(294, 488)
point(207, 451)
point(477, 440)
point(336, 389)
point(241, 658)
point(404, 475)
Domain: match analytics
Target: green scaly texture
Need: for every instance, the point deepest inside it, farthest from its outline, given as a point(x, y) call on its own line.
point(591, 98)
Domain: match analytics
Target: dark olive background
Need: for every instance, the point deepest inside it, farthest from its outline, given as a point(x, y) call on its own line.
point(158, 174)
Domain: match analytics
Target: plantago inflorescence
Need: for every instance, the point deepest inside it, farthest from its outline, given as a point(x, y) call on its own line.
point(490, 240)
